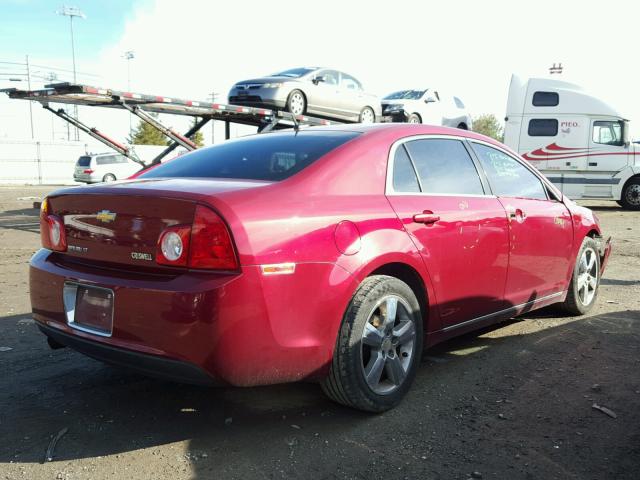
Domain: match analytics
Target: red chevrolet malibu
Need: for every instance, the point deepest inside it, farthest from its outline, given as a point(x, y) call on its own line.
point(333, 253)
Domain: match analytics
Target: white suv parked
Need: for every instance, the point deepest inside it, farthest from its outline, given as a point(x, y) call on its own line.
point(104, 167)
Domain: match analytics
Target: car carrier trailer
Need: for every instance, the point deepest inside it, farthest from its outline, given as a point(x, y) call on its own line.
point(142, 105)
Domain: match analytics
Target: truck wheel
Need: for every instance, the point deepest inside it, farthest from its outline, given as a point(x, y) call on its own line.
point(583, 289)
point(367, 115)
point(630, 198)
point(296, 103)
point(414, 118)
point(379, 346)
point(109, 177)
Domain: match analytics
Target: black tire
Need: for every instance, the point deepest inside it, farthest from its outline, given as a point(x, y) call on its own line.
point(630, 198)
point(574, 303)
point(367, 114)
point(347, 383)
point(463, 126)
point(295, 99)
point(414, 118)
point(109, 177)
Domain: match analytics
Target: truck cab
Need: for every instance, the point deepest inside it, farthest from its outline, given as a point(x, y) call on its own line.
point(577, 140)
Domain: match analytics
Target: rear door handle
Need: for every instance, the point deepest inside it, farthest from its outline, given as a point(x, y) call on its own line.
point(426, 217)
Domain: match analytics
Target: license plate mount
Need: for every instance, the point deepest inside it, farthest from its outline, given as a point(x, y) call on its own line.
point(89, 308)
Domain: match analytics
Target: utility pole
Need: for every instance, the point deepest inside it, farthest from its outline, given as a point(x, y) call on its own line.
point(73, 12)
point(129, 55)
point(555, 68)
point(52, 77)
point(30, 103)
point(213, 96)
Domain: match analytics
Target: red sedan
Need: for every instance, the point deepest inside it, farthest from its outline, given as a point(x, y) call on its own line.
point(333, 254)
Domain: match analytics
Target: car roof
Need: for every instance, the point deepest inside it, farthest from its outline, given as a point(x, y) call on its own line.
point(396, 130)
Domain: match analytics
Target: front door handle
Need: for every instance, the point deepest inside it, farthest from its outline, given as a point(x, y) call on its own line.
point(516, 214)
point(427, 217)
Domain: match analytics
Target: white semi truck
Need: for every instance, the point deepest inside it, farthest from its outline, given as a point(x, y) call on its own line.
point(577, 140)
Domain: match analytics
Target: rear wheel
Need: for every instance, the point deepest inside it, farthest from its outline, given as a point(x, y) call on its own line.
point(367, 115)
point(630, 198)
point(297, 103)
point(463, 126)
point(109, 177)
point(378, 347)
point(583, 289)
point(414, 118)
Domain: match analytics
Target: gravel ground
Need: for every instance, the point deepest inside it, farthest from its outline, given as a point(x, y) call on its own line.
point(511, 402)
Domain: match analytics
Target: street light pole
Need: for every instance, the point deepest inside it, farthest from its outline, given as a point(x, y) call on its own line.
point(73, 12)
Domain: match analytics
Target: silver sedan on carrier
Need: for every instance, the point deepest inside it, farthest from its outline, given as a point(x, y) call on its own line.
point(313, 91)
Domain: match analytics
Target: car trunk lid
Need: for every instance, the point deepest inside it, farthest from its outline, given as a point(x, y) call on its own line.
point(121, 223)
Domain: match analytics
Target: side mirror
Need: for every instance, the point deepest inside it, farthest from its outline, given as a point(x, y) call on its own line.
point(430, 99)
point(318, 79)
point(626, 141)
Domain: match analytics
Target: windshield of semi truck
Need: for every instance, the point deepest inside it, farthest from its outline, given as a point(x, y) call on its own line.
point(405, 95)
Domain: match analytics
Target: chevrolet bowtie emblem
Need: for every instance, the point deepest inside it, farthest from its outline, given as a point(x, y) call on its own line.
point(106, 216)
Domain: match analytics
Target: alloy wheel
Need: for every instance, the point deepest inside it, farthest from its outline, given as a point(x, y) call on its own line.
point(388, 344)
point(367, 116)
point(296, 104)
point(587, 276)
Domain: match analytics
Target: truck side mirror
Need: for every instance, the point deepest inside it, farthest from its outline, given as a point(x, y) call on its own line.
point(626, 141)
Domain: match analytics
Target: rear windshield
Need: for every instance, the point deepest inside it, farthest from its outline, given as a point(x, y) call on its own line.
point(272, 157)
point(84, 161)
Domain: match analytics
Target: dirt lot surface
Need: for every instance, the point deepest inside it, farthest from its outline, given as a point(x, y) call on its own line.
point(511, 402)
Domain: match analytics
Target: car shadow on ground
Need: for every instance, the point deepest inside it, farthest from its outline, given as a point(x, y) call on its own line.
point(477, 402)
point(24, 219)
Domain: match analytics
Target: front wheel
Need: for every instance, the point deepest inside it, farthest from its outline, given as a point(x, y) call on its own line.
point(296, 103)
point(367, 115)
point(414, 118)
point(630, 198)
point(379, 346)
point(583, 289)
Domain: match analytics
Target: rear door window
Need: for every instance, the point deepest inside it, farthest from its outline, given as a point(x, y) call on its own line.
point(106, 160)
point(272, 156)
point(444, 166)
point(507, 176)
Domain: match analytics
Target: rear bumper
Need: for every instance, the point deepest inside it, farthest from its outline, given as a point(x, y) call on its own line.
point(240, 329)
point(150, 365)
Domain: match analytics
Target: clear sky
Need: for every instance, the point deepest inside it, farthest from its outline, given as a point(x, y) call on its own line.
point(188, 48)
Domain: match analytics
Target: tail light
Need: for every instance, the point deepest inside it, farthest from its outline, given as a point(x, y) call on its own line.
point(87, 170)
point(52, 233)
point(205, 245)
point(173, 246)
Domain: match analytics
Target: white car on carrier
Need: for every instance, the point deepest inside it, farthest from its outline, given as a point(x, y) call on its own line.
point(577, 140)
point(104, 167)
point(428, 106)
